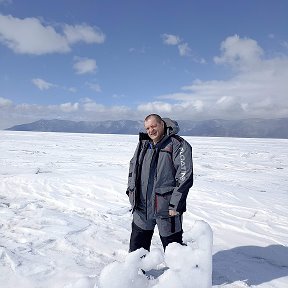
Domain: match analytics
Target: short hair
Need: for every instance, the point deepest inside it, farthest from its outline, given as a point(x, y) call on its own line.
point(156, 116)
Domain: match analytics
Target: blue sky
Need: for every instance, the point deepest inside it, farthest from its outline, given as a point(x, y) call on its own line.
point(99, 60)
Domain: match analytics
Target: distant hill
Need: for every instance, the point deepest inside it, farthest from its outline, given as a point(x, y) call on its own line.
point(102, 127)
point(248, 128)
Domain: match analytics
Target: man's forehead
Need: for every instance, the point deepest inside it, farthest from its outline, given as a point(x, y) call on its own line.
point(151, 122)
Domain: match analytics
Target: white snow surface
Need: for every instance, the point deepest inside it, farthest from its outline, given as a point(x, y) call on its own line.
point(65, 219)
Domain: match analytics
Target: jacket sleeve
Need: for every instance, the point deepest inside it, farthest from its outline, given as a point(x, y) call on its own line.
point(132, 171)
point(183, 163)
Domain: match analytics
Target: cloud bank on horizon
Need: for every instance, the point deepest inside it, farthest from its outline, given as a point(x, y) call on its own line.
point(249, 80)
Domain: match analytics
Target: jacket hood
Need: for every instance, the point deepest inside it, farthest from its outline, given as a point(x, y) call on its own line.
point(171, 126)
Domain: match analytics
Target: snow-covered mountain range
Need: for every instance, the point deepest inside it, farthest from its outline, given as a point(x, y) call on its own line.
point(247, 128)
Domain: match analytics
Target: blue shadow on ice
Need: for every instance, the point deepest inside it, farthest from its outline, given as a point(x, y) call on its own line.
point(251, 264)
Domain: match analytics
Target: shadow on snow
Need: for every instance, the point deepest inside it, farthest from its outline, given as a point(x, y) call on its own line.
point(251, 264)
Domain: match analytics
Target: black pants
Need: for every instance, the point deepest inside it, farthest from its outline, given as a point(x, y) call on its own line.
point(142, 238)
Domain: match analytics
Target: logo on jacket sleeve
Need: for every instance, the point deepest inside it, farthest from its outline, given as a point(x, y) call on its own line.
point(183, 168)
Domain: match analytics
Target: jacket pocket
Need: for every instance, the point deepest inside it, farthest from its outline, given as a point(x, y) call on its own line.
point(162, 200)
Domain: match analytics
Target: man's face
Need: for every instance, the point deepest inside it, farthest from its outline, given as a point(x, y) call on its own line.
point(154, 129)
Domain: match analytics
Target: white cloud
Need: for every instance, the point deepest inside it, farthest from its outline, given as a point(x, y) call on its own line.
point(241, 53)
point(6, 1)
point(31, 36)
point(118, 96)
point(91, 106)
point(141, 50)
point(120, 111)
point(42, 84)
point(181, 110)
point(285, 44)
point(84, 65)
point(184, 49)
point(94, 86)
point(199, 105)
point(170, 39)
point(69, 107)
point(258, 89)
point(155, 107)
point(71, 89)
point(92, 110)
point(5, 102)
point(83, 33)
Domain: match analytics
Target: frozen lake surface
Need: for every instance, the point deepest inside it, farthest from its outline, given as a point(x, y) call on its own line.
point(64, 214)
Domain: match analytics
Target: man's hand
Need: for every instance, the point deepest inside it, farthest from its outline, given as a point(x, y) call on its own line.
point(173, 213)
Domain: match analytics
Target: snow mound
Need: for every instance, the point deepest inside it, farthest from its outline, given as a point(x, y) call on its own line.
point(188, 266)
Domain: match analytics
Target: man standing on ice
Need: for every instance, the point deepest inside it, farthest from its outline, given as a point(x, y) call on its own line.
point(160, 176)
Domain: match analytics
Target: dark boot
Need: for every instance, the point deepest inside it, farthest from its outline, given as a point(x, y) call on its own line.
point(176, 237)
point(140, 238)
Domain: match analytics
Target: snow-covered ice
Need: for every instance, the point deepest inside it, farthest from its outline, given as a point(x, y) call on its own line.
point(64, 214)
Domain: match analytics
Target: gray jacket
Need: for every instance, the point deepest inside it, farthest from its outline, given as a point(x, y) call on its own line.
point(163, 181)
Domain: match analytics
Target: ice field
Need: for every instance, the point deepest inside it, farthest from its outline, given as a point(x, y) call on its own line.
point(64, 214)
